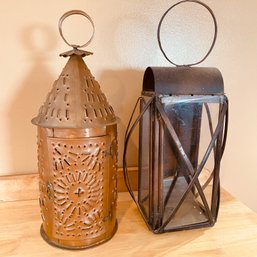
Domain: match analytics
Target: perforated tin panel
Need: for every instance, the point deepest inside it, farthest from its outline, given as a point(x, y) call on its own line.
point(76, 100)
point(78, 196)
point(77, 190)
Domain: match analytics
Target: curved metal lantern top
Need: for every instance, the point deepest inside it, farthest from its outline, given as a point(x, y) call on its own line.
point(183, 81)
point(76, 100)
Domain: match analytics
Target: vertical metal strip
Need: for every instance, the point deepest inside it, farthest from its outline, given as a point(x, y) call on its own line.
point(218, 155)
point(160, 170)
point(156, 173)
point(151, 211)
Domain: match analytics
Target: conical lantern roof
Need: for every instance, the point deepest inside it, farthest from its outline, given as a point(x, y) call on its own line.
point(76, 100)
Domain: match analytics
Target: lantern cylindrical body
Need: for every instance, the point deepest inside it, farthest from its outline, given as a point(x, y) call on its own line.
point(77, 161)
point(77, 185)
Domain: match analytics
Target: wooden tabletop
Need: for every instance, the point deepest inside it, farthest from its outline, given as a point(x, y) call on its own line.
point(235, 234)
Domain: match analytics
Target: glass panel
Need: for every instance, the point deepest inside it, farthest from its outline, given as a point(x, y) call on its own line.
point(190, 117)
point(190, 212)
point(210, 115)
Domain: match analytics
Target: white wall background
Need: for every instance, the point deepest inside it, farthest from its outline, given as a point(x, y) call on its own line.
point(124, 45)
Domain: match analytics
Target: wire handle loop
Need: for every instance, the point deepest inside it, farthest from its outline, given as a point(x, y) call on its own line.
point(214, 37)
point(75, 12)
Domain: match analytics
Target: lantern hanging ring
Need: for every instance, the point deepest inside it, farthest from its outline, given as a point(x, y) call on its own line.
point(76, 12)
point(214, 36)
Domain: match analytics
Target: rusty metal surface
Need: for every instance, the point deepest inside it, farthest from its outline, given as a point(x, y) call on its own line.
point(77, 158)
point(183, 81)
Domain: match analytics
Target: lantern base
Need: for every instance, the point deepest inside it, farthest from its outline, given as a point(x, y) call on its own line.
point(68, 247)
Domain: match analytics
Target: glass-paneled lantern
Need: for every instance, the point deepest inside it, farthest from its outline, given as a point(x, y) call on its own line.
point(182, 134)
point(77, 156)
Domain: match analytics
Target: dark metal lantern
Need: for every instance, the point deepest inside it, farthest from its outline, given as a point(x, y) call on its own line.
point(183, 127)
point(77, 156)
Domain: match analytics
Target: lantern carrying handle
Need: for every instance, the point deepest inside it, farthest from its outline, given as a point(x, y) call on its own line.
point(76, 12)
point(214, 36)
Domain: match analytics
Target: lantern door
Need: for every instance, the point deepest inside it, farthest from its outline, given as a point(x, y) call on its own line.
point(77, 188)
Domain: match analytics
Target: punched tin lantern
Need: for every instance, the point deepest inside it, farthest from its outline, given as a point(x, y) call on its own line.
point(183, 126)
point(77, 156)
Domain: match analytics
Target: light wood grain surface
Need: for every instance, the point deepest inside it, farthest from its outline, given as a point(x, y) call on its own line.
point(25, 187)
point(20, 187)
point(234, 235)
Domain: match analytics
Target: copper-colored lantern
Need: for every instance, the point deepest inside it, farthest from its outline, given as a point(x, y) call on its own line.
point(77, 155)
point(183, 127)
